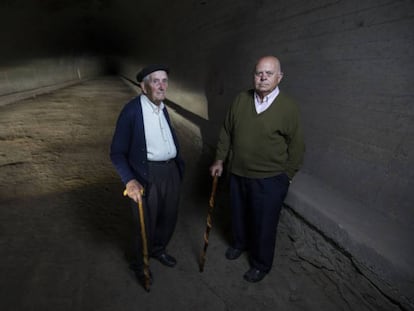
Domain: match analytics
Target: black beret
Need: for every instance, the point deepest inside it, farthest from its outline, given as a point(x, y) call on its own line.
point(150, 69)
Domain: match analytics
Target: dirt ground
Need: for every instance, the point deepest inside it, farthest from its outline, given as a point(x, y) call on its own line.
point(64, 224)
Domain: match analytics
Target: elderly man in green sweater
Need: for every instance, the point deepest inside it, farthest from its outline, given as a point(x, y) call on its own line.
point(263, 135)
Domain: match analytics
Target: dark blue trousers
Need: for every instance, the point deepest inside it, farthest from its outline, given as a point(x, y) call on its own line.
point(160, 203)
point(255, 206)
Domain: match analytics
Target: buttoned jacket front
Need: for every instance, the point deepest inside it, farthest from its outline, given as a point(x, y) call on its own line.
point(128, 148)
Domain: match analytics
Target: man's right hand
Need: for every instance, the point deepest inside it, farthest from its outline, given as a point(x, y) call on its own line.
point(135, 190)
point(216, 169)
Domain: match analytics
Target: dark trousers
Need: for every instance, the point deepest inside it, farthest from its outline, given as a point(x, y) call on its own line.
point(160, 203)
point(255, 206)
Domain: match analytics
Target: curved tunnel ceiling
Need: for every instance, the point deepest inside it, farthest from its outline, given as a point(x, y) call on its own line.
point(50, 27)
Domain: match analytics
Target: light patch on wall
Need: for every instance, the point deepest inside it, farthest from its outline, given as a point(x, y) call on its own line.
point(191, 100)
point(189, 132)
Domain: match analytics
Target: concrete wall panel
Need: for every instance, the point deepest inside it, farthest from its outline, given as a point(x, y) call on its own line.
point(27, 78)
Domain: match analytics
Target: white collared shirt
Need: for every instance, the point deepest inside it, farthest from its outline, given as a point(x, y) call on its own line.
point(267, 100)
point(158, 136)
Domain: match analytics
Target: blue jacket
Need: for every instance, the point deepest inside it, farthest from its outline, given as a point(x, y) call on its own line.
point(129, 149)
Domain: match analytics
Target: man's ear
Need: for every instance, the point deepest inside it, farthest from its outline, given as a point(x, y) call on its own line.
point(280, 77)
point(143, 88)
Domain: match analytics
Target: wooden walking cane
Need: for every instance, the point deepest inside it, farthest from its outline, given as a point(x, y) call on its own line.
point(209, 223)
point(147, 277)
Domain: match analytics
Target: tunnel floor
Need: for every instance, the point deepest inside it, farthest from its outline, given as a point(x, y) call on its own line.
point(64, 223)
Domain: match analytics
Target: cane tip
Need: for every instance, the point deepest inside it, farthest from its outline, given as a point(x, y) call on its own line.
point(201, 266)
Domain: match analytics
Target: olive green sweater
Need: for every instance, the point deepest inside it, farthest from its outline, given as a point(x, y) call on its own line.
point(262, 145)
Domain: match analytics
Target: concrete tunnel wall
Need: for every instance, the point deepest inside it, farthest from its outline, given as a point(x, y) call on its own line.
point(348, 64)
point(35, 76)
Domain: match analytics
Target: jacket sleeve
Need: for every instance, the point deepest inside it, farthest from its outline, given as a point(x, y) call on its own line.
point(121, 143)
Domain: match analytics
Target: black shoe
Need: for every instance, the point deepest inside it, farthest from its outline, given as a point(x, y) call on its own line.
point(233, 253)
point(167, 260)
point(254, 275)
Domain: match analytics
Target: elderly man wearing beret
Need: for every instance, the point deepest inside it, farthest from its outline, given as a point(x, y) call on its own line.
point(146, 155)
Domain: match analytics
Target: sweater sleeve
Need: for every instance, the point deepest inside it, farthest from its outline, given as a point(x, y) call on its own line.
point(296, 146)
point(224, 141)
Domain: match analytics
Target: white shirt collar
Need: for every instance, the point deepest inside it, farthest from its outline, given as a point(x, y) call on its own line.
point(156, 108)
point(267, 100)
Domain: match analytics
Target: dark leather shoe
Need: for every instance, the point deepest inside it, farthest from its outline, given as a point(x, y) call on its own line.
point(233, 253)
point(254, 275)
point(167, 260)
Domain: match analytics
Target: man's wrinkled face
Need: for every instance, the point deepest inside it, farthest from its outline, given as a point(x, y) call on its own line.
point(155, 85)
point(267, 76)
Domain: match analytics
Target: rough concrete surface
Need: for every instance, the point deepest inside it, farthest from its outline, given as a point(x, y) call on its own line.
point(64, 225)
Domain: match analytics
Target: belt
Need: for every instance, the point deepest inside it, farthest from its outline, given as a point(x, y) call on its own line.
point(160, 162)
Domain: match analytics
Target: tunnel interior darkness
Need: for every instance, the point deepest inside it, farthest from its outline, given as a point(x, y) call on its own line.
point(54, 28)
point(348, 64)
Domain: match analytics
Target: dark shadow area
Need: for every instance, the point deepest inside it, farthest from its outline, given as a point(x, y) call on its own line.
point(59, 28)
point(51, 243)
point(201, 178)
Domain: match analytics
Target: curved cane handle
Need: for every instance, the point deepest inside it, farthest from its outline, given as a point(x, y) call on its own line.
point(126, 192)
